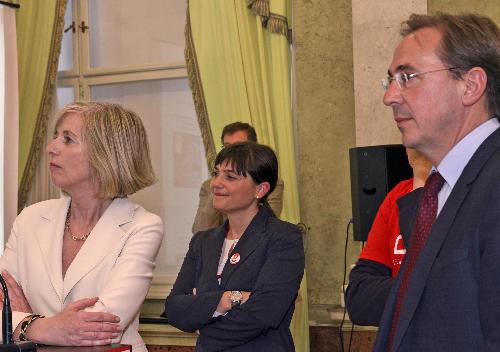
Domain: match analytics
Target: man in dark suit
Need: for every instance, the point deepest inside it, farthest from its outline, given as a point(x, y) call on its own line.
point(443, 87)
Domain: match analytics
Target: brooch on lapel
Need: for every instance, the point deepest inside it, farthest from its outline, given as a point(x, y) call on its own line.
point(235, 258)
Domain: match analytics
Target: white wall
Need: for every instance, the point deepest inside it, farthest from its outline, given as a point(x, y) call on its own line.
point(375, 28)
point(9, 113)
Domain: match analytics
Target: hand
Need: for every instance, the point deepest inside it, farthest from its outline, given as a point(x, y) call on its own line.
point(75, 327)
point(246, 296)
point(18, 301)
point(225, 302)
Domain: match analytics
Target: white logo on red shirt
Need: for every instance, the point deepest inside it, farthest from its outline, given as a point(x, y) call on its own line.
point(399, 246)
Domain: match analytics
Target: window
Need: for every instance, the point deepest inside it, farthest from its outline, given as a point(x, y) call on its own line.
point(132, 53)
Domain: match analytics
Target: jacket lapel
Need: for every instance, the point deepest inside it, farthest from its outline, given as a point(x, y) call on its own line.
point(426, 258)
point(439, 232)
point(50, 238)
point(104, 237)
point(246, 245)
point(407, 206)
point(213, 248)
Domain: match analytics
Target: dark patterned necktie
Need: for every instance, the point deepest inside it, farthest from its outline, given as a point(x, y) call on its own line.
point(426, 215)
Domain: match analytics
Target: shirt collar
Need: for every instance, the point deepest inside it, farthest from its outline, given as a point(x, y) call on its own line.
point(454, 162)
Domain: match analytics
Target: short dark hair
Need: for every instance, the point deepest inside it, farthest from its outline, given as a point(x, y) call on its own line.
point(249, 158)
point(468, 40)
point(239, 126)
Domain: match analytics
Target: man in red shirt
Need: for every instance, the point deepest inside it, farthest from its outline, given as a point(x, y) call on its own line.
point(371, 279)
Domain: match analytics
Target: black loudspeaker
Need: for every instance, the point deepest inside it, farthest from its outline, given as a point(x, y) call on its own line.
point(375, 171)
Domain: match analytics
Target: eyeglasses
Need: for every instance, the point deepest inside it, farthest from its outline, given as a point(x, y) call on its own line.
point(402, 78)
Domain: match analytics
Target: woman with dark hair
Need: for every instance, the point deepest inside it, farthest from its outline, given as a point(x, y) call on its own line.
point(238, 282)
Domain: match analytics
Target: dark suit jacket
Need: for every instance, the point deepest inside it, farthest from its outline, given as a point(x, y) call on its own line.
point(271, 268)
point(453, 298)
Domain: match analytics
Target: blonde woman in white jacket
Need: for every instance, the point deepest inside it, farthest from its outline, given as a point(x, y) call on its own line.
point(78, 268)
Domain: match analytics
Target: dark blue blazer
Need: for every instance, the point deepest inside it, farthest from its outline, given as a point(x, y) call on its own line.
point(453, 298)
point(271, 267)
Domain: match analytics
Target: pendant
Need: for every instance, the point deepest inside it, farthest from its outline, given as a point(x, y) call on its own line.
point(76, 238)
point(235, 258)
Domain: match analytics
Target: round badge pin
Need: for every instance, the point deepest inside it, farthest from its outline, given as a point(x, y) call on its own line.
point(235, 258)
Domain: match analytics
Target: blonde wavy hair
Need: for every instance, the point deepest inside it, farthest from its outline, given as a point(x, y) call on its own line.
point(117, 145)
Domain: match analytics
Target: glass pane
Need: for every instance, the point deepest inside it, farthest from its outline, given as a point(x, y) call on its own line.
point(131, 32)
point(65, 95)
point(66, 57)
point(167, 110)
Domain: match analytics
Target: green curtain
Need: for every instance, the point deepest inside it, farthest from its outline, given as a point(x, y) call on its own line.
point(39, 34)
point(238, 60)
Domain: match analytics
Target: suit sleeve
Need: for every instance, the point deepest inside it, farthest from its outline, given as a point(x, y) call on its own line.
point(369, 285)
point(129, 280)
point(489, 279)
point(273, 295)
point(125, 280)
point(184, 310)
point(9, 262)
point(370, 281)
point(276, 198)
point(207, 217)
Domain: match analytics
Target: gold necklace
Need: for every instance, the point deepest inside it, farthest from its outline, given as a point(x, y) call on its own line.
point(67, 226)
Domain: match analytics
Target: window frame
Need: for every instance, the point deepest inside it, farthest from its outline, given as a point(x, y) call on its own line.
point(82, 78)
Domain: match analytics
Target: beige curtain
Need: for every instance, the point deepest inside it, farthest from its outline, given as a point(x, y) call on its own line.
point(39, 30)
point(238, 60)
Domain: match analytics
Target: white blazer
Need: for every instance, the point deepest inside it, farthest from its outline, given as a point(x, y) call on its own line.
point(115, 263)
